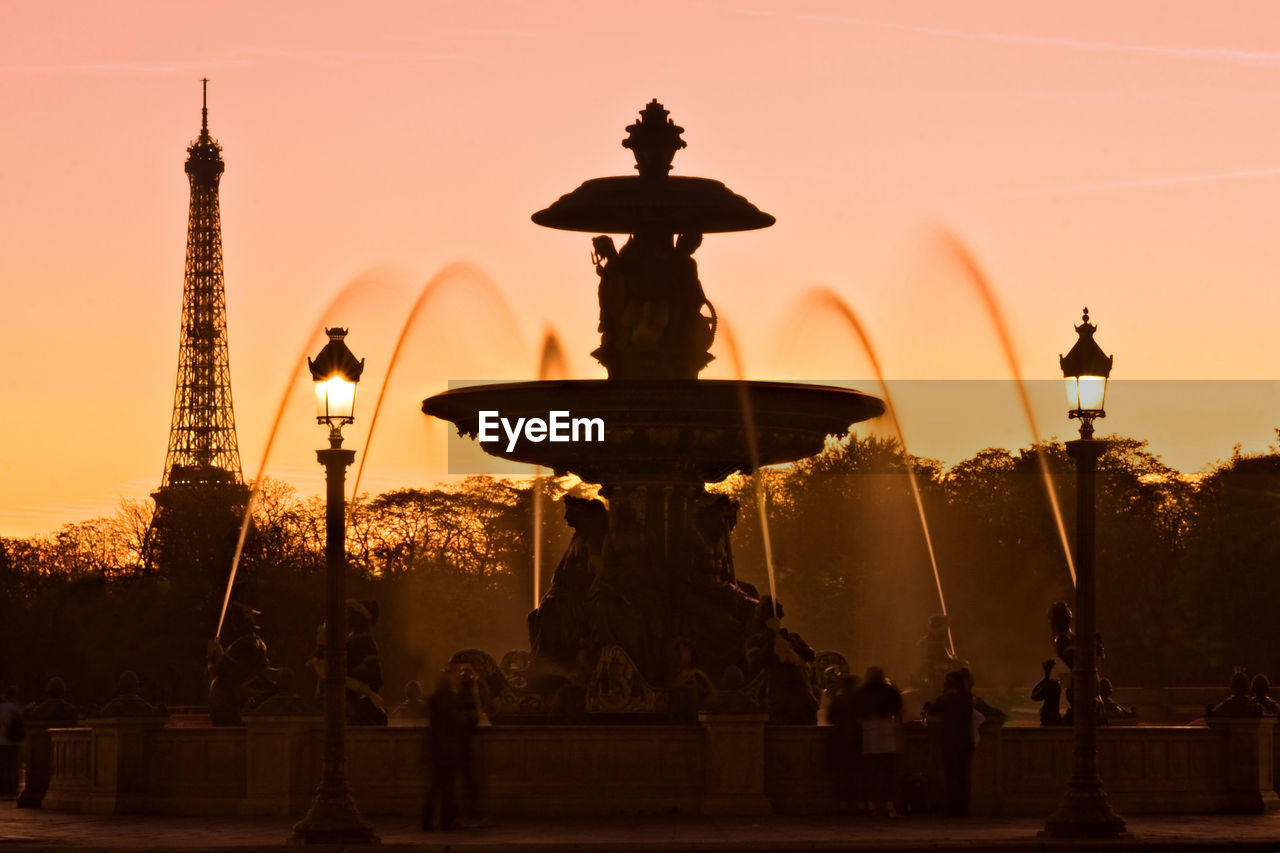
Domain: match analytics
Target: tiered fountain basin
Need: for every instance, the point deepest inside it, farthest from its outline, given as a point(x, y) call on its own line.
point(697, 431)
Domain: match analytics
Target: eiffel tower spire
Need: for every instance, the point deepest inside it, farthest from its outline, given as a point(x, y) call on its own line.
point(202, 436)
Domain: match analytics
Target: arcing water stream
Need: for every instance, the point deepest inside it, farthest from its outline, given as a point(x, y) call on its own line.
point(826, 299)
point(961, 255)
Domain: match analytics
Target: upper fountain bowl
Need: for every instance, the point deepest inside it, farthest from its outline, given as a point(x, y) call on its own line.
point(653, 202)
point(692, 431)
point(672, 204)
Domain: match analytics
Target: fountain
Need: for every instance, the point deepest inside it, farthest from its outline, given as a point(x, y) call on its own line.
point(647, 586)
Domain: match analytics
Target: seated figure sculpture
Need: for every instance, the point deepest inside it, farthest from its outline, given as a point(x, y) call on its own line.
point(556, 626)
point(784, 657)
point(1240, 703)
point(1260, 687)
point(651, 301)
point(1110, 709)
point(1048, 692)
point(238, 670)
point(1064, 639)
point(128, 701)
point(413, 709)
point(364, 670)
point(54, 711)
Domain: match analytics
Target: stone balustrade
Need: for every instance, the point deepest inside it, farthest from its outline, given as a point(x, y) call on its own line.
point(731, 764)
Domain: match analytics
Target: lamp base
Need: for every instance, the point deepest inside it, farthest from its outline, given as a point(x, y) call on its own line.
point(1084, 813)
point(333, 819)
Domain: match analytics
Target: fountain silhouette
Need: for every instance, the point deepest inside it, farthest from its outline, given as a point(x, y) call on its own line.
point(649, 571)
point(824, 298)
point(952, 245)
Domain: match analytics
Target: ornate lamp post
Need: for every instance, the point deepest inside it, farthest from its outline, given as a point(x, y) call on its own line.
point(1084, 811)
point(333, 817)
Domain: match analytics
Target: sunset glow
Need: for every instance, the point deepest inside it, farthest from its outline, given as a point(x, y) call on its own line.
point(1122, 156)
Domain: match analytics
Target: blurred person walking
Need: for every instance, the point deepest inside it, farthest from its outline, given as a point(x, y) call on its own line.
point(12, 734)
point(443, 752)
point(878, 705)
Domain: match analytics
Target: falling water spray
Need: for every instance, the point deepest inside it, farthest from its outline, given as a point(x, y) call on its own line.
point(461, 273)
point(551, 365)
point(753, 449)
point(827, 299)
point(960, 253)
point(353, 290)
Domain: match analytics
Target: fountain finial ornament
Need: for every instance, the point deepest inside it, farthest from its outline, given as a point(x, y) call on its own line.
point(654, 140)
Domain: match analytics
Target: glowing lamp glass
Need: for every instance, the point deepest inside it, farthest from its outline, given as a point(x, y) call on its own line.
point(1086, 393)
point(335, 400)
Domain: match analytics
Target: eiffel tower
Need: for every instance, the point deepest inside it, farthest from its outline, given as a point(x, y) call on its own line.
point(202, 495)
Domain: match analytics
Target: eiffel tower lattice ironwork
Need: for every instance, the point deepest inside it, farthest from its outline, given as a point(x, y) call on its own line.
point(203, 488)
point(202, 437)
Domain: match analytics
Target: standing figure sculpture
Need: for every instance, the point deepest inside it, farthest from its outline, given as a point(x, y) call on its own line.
point(239, 669)
point(937, 658)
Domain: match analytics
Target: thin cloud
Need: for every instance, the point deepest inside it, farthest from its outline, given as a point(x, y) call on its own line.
point(1235, 56)
point(1142, 183)
point(241, 59)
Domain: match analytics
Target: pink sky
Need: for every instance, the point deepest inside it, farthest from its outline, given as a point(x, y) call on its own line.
point(1120, 155)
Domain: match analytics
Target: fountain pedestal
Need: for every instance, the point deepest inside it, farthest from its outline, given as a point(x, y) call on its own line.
point(735, 765)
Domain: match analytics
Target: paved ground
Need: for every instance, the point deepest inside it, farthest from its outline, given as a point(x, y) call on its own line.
point(36, 830)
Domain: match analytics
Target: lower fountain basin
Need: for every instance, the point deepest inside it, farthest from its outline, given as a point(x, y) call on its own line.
point(691, 430)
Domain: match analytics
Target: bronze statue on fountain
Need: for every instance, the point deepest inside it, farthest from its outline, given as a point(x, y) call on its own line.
point(649, 574)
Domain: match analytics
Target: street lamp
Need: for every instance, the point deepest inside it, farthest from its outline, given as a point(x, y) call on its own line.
point(1084, 811)
point(1086, 369)
point(333, 817)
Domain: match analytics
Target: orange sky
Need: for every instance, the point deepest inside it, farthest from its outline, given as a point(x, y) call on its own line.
point(1122, 155)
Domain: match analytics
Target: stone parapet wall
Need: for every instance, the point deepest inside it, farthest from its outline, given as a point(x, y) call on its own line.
point(591, 770)
point(726, 765)
point(71, 769)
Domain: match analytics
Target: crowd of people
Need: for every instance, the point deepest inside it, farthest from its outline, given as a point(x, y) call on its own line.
point(868, 741)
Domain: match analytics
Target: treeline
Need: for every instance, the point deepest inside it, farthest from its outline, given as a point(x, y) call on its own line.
point(1187, 567)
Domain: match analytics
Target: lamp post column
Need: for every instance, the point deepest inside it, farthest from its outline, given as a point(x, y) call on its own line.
point(1084, 811)
point(333, 817)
